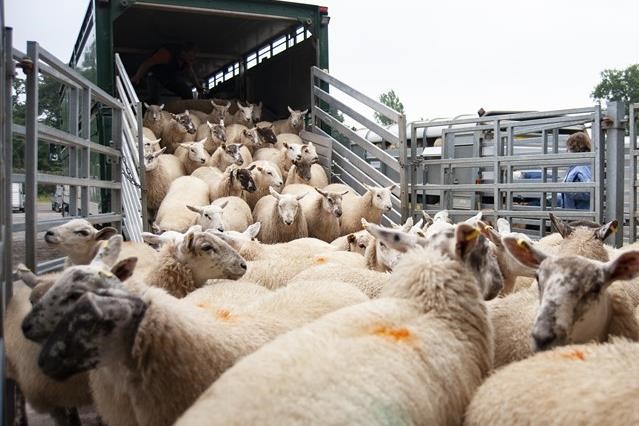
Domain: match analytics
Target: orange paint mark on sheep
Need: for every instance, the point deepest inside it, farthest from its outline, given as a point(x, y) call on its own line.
point(320, 260)
point(576, 355)
point(223, 314)
point(401, 334)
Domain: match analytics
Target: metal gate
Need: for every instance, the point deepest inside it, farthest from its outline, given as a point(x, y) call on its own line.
point(353, 157)
point(632, 183)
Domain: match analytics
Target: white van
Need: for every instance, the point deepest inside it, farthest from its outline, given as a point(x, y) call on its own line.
point(17, 197)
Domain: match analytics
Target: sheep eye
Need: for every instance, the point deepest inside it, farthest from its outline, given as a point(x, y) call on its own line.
point(362, 246)
point(207, 216)
point(269, 173)
point(382, 245)
point(379, 196)
point(82, 232)
point(208, 247)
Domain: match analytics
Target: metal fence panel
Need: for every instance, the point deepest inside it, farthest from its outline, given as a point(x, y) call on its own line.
point(631, 183)
point(353, 157)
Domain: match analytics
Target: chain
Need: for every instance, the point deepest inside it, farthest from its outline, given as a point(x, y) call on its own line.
point(128, 174)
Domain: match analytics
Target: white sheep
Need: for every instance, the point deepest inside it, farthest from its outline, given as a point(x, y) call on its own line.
point(369, 206)
point(213, 135)
point(379, 257)
point(369, 282)
point(155, 119)
point(216, 112)
point(293, 124)
point(192, 155)
point(151, 142)
point(356, 242)
point(225, 214)
point(243, 115)
point(279, 157)
point(173, 134)
point(322, 210)
point(57, 398)
point(150, 344)
point(173, 215)
point(210, 175)
point(307, 173)
point(265, 174)
point(281, 216)
point(415, 356)
point(230, 153)
point(234, 182)
point(594, 384)
point(249, 138)
point(160, 170)
point(187, 264)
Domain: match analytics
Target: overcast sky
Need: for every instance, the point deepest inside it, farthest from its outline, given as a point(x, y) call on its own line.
point(443, 58)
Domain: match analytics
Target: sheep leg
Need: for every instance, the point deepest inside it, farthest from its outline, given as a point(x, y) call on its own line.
point(66, 416)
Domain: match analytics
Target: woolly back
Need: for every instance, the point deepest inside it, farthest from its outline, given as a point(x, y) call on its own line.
point(172, 275)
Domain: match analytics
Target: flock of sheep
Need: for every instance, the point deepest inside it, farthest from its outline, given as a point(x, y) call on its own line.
point(294, 306)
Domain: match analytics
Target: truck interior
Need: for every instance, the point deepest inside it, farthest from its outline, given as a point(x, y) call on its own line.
point(248, 56)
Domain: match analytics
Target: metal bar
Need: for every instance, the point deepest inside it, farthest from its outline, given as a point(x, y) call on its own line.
point(354, 137)
point(7, 73)
point(142, 170)
point(126, 81)
point(599, 143)
point(403, 172)
point(537, 214)
point(116, 169)
point(563, 159)
point(413, 166)
point(50, 134)
point(517, 187)
point(31, 155)
point(614, 173)
point(361, 164)
point(632, 177)
point(66, 180)
point(379, 130)
point(73, 112)
point(375, 105)
point(47, 224)
point(85, 160)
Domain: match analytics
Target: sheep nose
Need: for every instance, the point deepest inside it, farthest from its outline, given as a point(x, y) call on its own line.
point(49, 234)
point(239, 162)
point(299, 157)
point(288, 222)
point(243, 265)
point(338, 213)
point(26, 328)
point(221, 229)
point(543, 340)
point(202, 161)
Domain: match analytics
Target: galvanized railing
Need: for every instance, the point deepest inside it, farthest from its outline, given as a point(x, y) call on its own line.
point(84, 97)
point(482, 162)
point(632, 182)
point(351, 162)
point(133, 181)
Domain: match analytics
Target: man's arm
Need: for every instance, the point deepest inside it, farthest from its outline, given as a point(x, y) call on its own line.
point(162, 56)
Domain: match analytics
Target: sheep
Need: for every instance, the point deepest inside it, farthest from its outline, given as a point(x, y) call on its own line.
point(594, 384)
point(265, 174)
point(265, 133)
point(173, 134)
point(213, 135)
point(431, 323)
point(230, 153)
point(160, 170)
point(356, 242)
point(79, 241)
point(513, 316)
point(234, 182)
point(250, 138)
point(577, 302)
point(308, 151)
point(369, 206)
point(192, 155)
point(281, 217)
point(45, 395)
point(243, 115)
point(149, 344)
point(187, 264)
point(173, 215)
point(216, 113)
point(307, 173)
point(256, 114)
point(151, 143)
point(155, 119)
point(293, 124)
point(322, 210)
point(379, 257)
point(282, 158)
point(225, 214)
point(210, 175)
point(190, 123)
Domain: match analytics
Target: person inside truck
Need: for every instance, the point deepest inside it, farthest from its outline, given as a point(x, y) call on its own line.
point(170, 67)
point(577, 142)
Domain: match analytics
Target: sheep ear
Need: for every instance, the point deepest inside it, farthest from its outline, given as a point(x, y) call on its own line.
point(194, 209)
point(146, 105)
point(260, 104)
point(474, 219)
point(202, 141)
point(274, 193)
point(252, 167)
point(624, 267)
point(289, 109)
point(253, 230)
point(305, 111)
point(606, 230)
point(490, 233)
point(108, 252)
point(503, 226)
point(27, 276)
point(224, 204)
point(466, 237)
point(408, 224)
point(245, 132)
point(106, 233)
point(185, 145)
point(150, 238)
point(162, 107)
point(285, 145)
point(393, 186)
point(186, 111)
point(524, 252)
point(124, 268)
point(394, 238)
point(187, 242)
point(560, 226)
point(156, 141)
point(299, 197)
point(209, 124)
point(324, 194)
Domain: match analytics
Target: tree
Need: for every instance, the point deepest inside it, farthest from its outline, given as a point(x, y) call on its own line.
point(391, 100)
point(618, 85)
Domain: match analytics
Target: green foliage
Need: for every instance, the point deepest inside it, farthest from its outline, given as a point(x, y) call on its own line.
point(618, 85)
point(391, 100)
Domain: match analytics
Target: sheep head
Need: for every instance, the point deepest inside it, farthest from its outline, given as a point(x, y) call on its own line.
point(153, 111)
point(257, 112)
point(185, 120)
point(196, 151)
point(288, 206)
point(268, 174)
point(243, 176)
point(218, 132)
point(151, 160)
point(210, 216)
point(77, 239)
point(209, 257)
point(102, 273)
point(245, 113)
point(231, 153)
point(237, 239)
point(266, 134)
point(359, 241)
point(572, 290)
point(303, 169)
point(332, 201)
point(251, 136)
point(296, 118)
point(151, 146)
point(381, 197)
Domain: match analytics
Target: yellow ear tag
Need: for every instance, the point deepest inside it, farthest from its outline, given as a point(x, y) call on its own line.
point(522, 243)
point(106, 274)
point(472, 235)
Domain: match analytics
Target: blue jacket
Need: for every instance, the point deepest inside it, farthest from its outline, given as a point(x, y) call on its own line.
point(576, 200)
